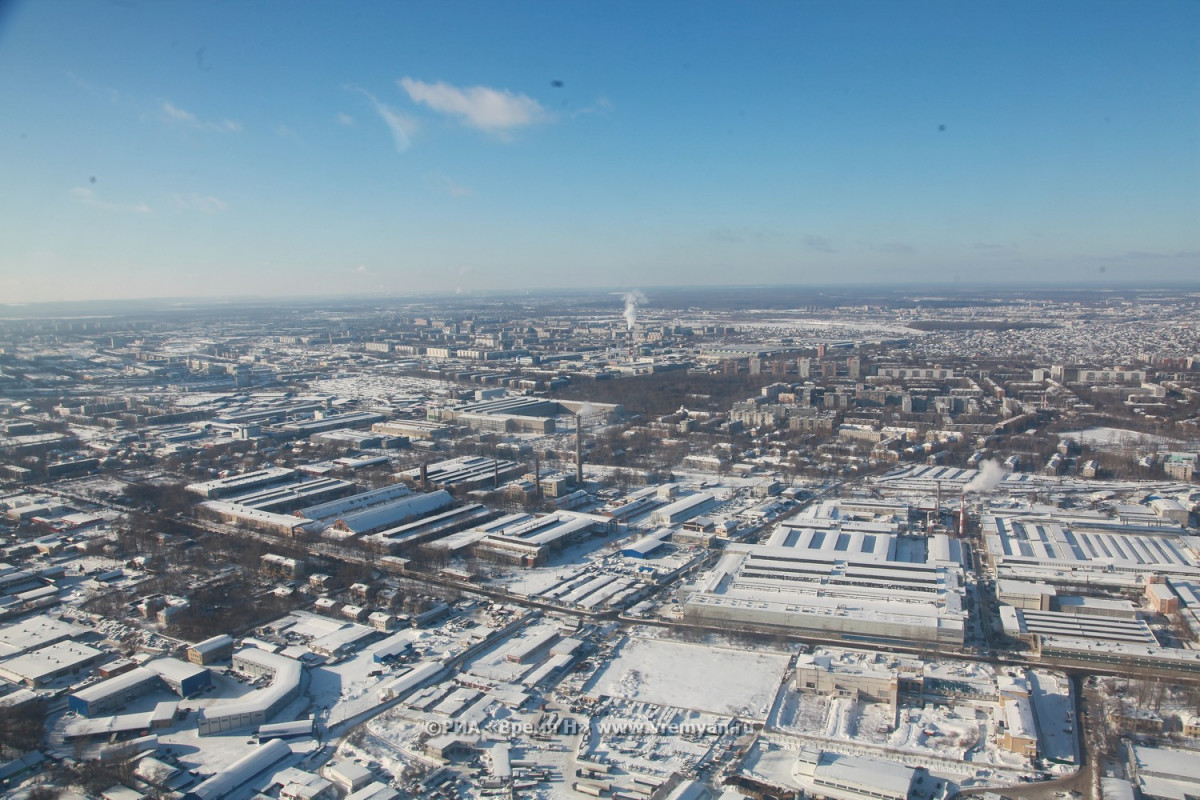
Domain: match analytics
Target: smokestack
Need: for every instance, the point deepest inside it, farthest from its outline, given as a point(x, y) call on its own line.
point(938, 510)
point(424, 476)
point(537, 478)
point(962, 516)
point(495, 473)
point(579, 450)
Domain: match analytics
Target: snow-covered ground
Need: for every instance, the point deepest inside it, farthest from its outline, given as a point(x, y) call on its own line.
point(719, 680)
point(1121, 437)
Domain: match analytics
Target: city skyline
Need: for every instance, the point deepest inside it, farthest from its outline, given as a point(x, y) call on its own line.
point(197, 151)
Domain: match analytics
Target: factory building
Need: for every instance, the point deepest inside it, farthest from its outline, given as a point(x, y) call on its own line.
point(240, 772)
point(528, 540)
point(1064, 549)
point(236, 484)
point(683, 509)
point(36, 668)
point(108, 696)
point(837, 776)
point(858, 581)
point(390, 514)
point(257, 707)
point(184, 679)
point(465, 474)
point(211, 650)
point(286, 499)
point(181, 677)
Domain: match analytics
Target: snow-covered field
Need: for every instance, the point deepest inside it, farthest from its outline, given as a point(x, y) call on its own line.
point(723, 681)
point(1120, 437)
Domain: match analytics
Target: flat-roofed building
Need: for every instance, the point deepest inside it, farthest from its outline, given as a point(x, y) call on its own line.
point(36, 668)
point(259, 706)
point(108, 696)
point(34, 632)
point(833, 577)
point(848, 777)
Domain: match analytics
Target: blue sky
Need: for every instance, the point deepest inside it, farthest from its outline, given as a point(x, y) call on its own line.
point(281, 148)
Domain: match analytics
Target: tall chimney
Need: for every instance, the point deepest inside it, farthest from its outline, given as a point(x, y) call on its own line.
point(424, 476)
point(962, 516)
point(579, 451)
point(537, 478)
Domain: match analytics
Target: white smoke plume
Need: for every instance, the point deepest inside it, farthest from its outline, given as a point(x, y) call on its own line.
point(633, 300)
point(989, 476)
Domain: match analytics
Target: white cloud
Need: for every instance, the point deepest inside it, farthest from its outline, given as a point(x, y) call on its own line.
point(199, 202)
point(602, 106)
point(445, 183)
point(174, 114)
point(401, 126)
point(492, 110)
point(87, 197)
point(342, 118)
point(284, 131)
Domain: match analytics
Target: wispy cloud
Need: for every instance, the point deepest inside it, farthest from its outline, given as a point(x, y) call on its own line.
point(898, 248)
point(445, 184)
point(740, 234)
point(284, 131)
point(496, 111)
point(401, 126)
point(1145, 255)
point(177, 116)
point(106, 92)
point(199, 202)
point(819, 243)
point(342, 118)
point(601, 107)
point(85, 196)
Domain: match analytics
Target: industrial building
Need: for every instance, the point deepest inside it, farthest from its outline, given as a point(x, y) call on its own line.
point(181, 677)
point(683, 509)
point(108, 696)
point(528, 540)
point(289, 497)
point(839, 579)
point(36, 668)
point(330, 512)
point(163, 716)
point(436, 530)
point(245, 482)
point(34, 632)
point(1065, 549)
point(837, 776)
point(369, 519)
point(465, 474)
point(257, 707)
point(240, 772)
point(213, 649)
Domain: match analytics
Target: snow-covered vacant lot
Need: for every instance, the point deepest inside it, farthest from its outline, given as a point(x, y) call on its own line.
point(723, 681)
